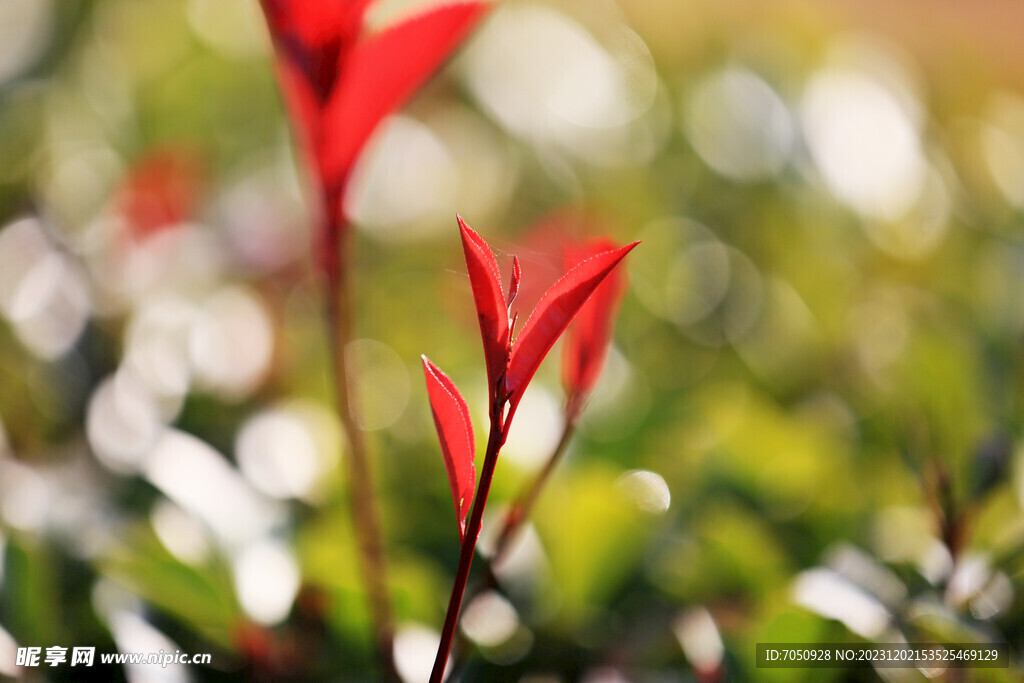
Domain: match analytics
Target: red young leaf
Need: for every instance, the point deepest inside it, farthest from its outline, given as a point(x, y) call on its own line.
point(314, 23)
point(160, 191)
point(382, 72)
point(513, 290)
point(455, 432)
point(586, 343)
point(490, 303)
point(312, 40)
point(549, 319)
point(338, 84)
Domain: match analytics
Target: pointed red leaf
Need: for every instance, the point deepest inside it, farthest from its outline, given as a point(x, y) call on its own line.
point(586, 343)
point(382, 72)
point(490, 303)
point(513, 289)
point(553, 313)
point(314, 38)
point(455, 432)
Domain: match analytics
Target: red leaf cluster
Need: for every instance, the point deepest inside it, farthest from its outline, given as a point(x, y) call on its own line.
point(511, 364)
point(339, 84)
point(556, 309)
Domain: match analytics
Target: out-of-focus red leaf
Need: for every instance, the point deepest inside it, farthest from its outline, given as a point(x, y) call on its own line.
point(314, 37)
point(159, 191)
point(490, 303)
point(338, 83)
point(455, 432)
point(586, 343)
point(314, 23)
point(382, 72)
point(254, 642)
point(549, 319)
point(541, 247)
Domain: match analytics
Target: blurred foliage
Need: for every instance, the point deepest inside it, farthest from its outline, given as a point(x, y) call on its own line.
point(809, 429)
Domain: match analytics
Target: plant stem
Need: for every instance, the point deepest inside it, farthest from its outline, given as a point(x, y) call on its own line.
point(523, 506)
point(515, 516)
point(340, 315)
point(494, 442)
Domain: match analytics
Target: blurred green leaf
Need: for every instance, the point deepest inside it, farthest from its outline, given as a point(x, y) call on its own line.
point(202, 596)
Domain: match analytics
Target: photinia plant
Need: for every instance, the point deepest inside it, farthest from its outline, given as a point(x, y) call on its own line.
point(339, 82)
point(584, 350)
point(511, 364)
point(583, 355)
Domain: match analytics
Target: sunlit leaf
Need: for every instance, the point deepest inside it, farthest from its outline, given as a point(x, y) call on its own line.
point(382, 72)
point(517, 274)
point(455, 432)
point(490, 303)
point(553, 313)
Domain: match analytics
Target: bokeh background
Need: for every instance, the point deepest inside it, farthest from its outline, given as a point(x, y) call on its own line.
point(808, 430)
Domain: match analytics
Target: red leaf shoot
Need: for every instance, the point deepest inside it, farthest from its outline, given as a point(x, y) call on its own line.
point(382, 72)
point(455, 432)
point(491, 309)
point(339, 85)
point(553, 313)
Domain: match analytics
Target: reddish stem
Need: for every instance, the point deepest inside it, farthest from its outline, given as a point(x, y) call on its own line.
point(517, 514)
point(495, 439)
point(338, 295)
point(524, 504)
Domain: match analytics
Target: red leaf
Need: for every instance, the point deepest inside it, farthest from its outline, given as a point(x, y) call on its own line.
point(160, 191)
point(549, 319)
point(490, 303)
point(314, 38)
point(455, 432)
point(586, 343)
point(382, 72)
point(513, 289)
point(314, 23)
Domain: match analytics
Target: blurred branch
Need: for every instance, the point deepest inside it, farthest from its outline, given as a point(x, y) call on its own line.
point(526, 501)
point(338, 297)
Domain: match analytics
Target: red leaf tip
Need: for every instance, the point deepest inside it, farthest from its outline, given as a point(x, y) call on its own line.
point(513, 289)
point(491, 307)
